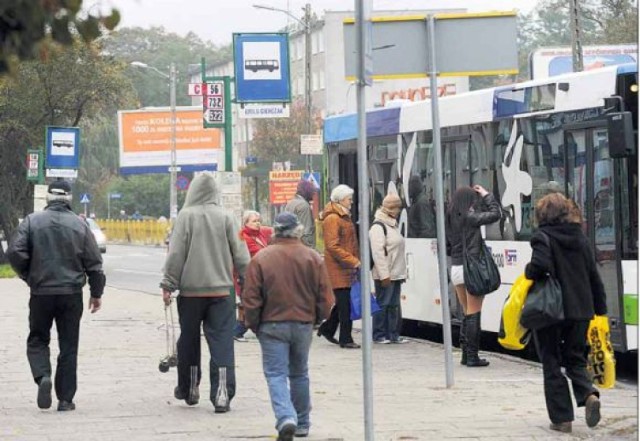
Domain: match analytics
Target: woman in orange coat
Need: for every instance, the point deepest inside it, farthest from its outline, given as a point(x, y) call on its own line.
point(342, 258)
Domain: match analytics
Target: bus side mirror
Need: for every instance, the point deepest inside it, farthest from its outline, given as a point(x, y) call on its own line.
point(620, 131)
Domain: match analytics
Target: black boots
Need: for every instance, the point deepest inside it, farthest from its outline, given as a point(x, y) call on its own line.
point(463, 340)
point(473, 341)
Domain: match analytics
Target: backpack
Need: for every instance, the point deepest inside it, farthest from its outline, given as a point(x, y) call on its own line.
point(384, 229)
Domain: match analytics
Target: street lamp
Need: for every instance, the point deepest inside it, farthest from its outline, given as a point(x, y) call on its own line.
point(173, 192)
point(306, 24)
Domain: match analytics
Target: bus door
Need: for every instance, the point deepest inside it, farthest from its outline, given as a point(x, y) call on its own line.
point(590, 181)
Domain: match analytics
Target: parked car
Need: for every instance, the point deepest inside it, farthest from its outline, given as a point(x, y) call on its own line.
point(101, 239)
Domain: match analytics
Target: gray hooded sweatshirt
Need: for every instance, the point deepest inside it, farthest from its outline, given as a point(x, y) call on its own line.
point(205, 245)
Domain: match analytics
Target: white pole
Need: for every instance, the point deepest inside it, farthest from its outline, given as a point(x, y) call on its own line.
point(173, 193)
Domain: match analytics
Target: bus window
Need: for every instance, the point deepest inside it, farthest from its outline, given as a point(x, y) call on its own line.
point(628, 190)
point(421, 214)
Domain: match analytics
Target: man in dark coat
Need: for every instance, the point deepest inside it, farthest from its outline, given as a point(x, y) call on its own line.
point(54, 251)
point(422, 216)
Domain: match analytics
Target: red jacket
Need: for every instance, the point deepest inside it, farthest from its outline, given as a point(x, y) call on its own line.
point(256, 239)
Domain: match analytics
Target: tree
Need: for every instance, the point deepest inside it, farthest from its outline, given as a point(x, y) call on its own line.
point(278, 139)
point(74, 84)
point(147, 194)
point(159, 48)
point(29, 27)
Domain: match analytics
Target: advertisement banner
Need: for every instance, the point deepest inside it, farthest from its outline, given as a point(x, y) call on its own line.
point(283, 185)
point(145, 141)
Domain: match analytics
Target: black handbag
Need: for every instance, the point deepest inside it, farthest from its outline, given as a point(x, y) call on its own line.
point(544, 305)
point(481, 274)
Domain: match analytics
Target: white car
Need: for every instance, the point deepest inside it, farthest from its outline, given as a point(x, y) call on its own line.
point(101, 239)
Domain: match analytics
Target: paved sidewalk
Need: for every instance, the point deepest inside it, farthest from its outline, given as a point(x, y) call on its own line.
point(123, 397)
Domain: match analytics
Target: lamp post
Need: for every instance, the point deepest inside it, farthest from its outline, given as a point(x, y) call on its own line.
point(306, 24)
point(173, 192)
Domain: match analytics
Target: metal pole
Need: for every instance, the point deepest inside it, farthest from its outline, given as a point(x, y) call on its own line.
point(173, 192)
point(228, 145)
point(442, 256)
point(576, 36)
point(307, 81)
point(108, 205)
point(363, 219)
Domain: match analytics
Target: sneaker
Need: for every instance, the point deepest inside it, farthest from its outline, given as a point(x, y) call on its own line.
point(301, 432)
point(44, 393)
point(382, 341)
point(287, 431)
point(400, 341)
point(64, 406)
point(561, 427)
point(592, 410)
point(222, 409)
point(241, 339)
point(191, 400)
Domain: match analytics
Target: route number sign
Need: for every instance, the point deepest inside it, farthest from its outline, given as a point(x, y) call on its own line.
point(213, 104)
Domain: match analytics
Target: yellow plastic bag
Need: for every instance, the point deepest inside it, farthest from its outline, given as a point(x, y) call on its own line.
point(601, 362)
point(512, 334)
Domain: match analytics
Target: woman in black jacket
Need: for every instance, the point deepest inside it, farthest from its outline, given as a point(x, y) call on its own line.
point(561, 248)
point(470, 208)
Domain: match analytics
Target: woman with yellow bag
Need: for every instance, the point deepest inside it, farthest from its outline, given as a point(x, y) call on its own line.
point(561, 249)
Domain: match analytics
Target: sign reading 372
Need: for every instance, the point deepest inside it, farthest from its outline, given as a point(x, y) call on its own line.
point(213, 104)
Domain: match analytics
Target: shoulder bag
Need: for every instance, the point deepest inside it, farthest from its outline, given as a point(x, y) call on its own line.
point(544, 305)
point(481, 274)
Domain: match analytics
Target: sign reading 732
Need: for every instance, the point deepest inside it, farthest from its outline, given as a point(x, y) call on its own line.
point(213, 104)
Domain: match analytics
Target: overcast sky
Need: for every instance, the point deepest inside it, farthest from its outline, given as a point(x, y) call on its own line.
point(216, 20)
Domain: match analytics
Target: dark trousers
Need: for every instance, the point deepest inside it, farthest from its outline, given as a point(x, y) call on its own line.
point(340, 315)
point(217, 317)
point(66, 310)
point(387, 322)
point(564, 345)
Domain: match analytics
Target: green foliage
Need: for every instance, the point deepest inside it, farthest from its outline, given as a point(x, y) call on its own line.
point(29, 27)
point(72, 86)
point(147, 194)
point(158, 48)
point(6, 272)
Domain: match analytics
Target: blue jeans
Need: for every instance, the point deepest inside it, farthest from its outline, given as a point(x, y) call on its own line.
point(385, 322)
point(285, 354)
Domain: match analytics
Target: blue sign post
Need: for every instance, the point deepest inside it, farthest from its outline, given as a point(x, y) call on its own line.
point(62, 151)
point(262, 68)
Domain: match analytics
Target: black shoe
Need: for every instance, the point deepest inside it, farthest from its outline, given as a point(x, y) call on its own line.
point(44, 393)
point(286, 432)
point(351, 345)
point(328, 337)
point(592, 410)
point(561, 427)
point(191, 400)
point(64, 406)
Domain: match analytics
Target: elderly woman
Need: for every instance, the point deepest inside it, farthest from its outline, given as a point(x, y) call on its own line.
point(257, 238)
point(561, 248)
point(342, 259)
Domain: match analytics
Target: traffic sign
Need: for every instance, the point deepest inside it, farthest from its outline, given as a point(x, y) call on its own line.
point(84, 199)
point(34, 165)
point(310, 144)
point(213, 104)
point(115, 195)
point(182, 183)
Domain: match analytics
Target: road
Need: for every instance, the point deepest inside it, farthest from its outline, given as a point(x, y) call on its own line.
point(134, 268)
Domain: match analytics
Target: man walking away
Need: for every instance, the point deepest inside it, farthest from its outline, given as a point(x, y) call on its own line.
point(205, 247)
point(300, 205)
point(281, 307)
point(52, 251)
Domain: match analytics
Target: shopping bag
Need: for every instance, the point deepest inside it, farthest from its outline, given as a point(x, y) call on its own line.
point(356, 301)
point(544, 305)
point(481, 274)
point(601, 362)
point(512, 334)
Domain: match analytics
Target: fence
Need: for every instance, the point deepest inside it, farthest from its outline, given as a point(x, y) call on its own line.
point(139, 232)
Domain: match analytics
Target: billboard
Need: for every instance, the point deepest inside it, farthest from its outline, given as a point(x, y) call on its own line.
point(550, 61)
point(145, 141)
point(283, 185)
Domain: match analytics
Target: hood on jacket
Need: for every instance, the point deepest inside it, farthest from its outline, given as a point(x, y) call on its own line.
point(334, 207)
point(203, 190)
point(566, 235)
point(415, 187)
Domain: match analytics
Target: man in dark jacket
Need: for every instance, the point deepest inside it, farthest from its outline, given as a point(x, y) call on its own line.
point(54, 251)
point(422, 216)
point(300, 205)
point(281, 307)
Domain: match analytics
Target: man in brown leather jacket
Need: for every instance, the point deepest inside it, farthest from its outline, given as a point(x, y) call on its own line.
point(285, 292)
